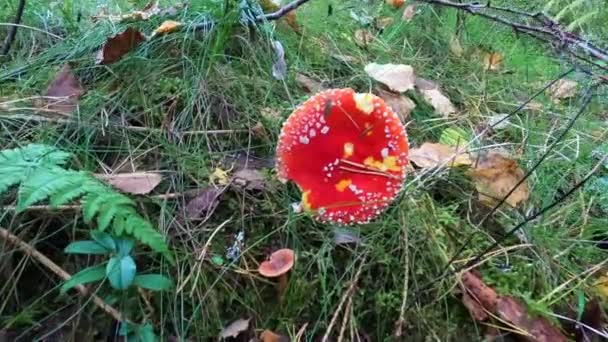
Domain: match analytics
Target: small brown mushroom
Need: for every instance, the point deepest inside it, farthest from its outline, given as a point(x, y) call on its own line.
point(277, 266)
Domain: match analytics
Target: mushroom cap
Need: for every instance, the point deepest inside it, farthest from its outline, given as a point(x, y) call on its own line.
point(280, 262)
point(347, 152)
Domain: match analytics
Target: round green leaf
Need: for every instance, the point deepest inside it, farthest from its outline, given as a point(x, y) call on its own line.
point(121, 271)
point(124, 246)
point(154, 282)
point(86, 247)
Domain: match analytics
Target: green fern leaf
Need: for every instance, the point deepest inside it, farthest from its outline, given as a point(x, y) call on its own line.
point(106, 214)
point(8, 179)
point(40, 185)
point(73, 189)
point(91, 203)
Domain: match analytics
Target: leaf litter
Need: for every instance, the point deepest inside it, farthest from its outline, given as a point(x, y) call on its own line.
point(235, 328)
point(397, 77)
point(63, 92)
point(435, 155)
point(119, 45)
point(136, 183)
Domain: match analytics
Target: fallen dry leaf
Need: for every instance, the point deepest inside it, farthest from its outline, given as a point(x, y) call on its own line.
point(495, 175)
point(384, 22)
point(563, 89)
point(202, 206)
point(395, 3)
point(119, 45)
point(397, 77)
point(601, 287)
point(167, 26)
point(498, 121)
point(219, 176)
point(259, 130)
point(535, 329)
point(63, 92)
point(309, 84)
point(433, 155)
point(400, 104)
point(408, 13)
point(150, 10)
point(290, 18)
point(455, 46)
point(235, 328)
point(249, 179)
point(433, 95)
point(492, 60)
point(363, 37)
point(270, 336)
point(272, 114)
point(136, 183)
point(475, 308)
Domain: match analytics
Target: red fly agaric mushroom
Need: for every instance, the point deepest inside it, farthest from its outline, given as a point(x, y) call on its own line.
point(277, 266)
point(347, 152)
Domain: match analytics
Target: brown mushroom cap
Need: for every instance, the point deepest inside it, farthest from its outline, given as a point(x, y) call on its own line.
point(279, 263)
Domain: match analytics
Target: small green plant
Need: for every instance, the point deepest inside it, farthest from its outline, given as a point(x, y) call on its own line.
point(120, 270)
point(37, 171)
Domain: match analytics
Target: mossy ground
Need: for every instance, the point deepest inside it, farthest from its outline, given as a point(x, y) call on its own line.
point(221, 80)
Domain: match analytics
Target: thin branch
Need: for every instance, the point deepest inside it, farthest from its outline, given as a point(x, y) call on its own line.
point(545, 26)
point(12, 31)
point(282, 11)
point(53, 267)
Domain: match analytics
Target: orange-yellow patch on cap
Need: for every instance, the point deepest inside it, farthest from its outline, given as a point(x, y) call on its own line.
point(343, 184)
point(349, 149)
point(364, 102)
point(389, 163)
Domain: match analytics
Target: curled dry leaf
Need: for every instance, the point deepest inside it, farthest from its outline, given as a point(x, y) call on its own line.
point(167, 26)
point(408, 13)
point(63, 92)
point(433, 95)
point(535, 329)
point(235, 328)
point(492, 60)
point(202, 206)
point(563, 89)
point(495, 175)
point(249, 179)
point(397, 77)
point(363, 37)
point(119, 45)
point(433, 155)
point(400, 104)
point(136, 183)
point(270, 336)
point(309, 84)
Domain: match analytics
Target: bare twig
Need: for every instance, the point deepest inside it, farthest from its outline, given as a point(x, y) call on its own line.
point(282, 11)
point(12, 31)
point(53, 267)
point(543, 27)
point(346, 296)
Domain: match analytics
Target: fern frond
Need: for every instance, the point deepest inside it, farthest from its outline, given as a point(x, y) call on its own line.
point(40, 185)
point(37, 168)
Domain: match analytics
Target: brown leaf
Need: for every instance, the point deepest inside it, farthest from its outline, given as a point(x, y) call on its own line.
point(309, 84)
point(204, 204)
point(495, 175)
point(235, 328)
point(137, 183)
point(119, 45)
point(475, 309)
point(433, 95)
point(401, 104)
point(492, 60)
point(593, 316)
point(397, 77)
point(363, 37)
point(249, 179)
point(259, 130)
point(167, 26)
point(433, 155)
point(408, 13)
point(563, 89)
point(270, 336)
point(536, 329)
point(479, 291)
point(65, 90)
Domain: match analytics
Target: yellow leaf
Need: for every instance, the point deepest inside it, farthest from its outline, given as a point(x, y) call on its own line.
point(495, 175)
point(433, 155)
point(492, 61)
point(219, 176)
point(167, 26)
point(601, 286)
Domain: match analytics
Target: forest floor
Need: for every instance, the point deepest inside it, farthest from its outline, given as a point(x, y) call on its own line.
point(201, 109)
